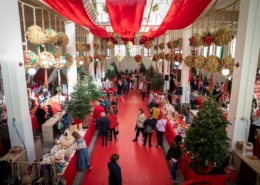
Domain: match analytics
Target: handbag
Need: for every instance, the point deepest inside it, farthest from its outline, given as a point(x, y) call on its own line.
point(116, 132)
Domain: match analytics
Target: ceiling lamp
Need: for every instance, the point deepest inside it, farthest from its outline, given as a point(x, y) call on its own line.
point(31, 71)
point(225, 72)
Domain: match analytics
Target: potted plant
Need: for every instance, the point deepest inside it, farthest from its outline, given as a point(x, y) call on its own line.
point(207, 142)
point(112, 71)
point(142, 68)
point(156, 80)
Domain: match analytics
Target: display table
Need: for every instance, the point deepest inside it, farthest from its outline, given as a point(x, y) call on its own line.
point(10, 156)
point(170, 132)
point(189, 174)
point(257, 148)
point(248, 169)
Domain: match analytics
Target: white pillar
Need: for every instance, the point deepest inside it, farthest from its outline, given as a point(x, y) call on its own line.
point(91, 53)
point(71, 48)
point(186, 50)
point(246, 54)
point(11, 53)
point(166, 67)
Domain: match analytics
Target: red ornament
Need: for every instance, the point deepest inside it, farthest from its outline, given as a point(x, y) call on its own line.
point(20, 64)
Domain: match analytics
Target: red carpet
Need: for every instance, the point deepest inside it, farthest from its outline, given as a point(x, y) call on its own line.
point(139, 164)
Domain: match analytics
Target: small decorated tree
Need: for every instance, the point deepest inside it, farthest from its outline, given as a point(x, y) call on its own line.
point(156, 79)
point(142, 68)
point(112, 71)
point(207, 142)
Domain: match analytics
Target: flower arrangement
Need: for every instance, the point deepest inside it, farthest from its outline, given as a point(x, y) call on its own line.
point(96, 46)
point(228, 63)
point(156, 57)
point(189, 61)
point(88, 47)
point(110, 45)
point(155, 47)
point(69, 60)
point(30, 59)
point(223, 36)
point(199, 62)
point(207, 38)
point(161, 46)
point(170, 44)
point(148, 44)
point(119, 57)
point(138, 58)
point(60, 61)
point(195, 40)
point(129, 44)
point(212, 64)
point(162, 56)
point(50, 36)
point(178, 58)
point(178, 43)
point(62, 39)
point(35, 35)
point(46, 60)
point(80, 46)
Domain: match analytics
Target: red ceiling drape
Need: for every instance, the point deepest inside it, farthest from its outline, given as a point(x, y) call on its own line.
point(126, 16)
point(180, 15)
point(74, 10)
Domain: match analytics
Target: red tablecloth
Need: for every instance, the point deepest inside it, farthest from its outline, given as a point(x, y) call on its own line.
point(169, 131)
point(191, 175)
point(71, 170)
point(110, 91)
point(257, 148)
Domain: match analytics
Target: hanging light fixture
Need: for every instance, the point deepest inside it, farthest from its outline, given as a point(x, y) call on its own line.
point(80, 62)
point(31, 71)
point(176, 63)
point(259, 71)
point(225, 71)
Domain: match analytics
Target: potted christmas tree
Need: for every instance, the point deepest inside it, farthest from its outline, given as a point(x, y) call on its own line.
point(156, 80)
point(112, 71)
point(142, 68)
point(207, 142)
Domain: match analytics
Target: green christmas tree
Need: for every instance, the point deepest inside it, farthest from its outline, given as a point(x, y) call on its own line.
point(142, 68)
point(150, 73)
point(207, 142)
point(112, 71)
point(156, 79)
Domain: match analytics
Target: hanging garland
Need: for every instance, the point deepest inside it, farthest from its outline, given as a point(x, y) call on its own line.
point(50, 36)
point(199, 62)
point(80, 60)
point(101, 57)
point(138, 58)
point(80, 46)
point(30, 60)
point(212, 64)
point(169, 57)
point(148, 44)
point(189, 61)
point(178, 57)
point(35, 35)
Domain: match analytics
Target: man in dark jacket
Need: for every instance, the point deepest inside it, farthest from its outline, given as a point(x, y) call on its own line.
point(149, 123)
point(104, 127)
point(114, 177)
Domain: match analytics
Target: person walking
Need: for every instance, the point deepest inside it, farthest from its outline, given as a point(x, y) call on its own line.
point(149, 127)
point(155, 112)
point(112, 124)
point(83, 161)
point(139, 124)
point(41, 117)
point(161, 124)
point(104, 127)
point(114, 169)
point(144, 89)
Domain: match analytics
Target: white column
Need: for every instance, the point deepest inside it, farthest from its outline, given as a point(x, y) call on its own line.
point(91, 53)
point(11, 53)
point(166, 69)
point(186, 50)
point(246, 54)
point(98, 70)
point(71, 48)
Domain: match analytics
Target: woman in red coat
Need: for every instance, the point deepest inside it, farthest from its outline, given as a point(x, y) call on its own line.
point(112, 124)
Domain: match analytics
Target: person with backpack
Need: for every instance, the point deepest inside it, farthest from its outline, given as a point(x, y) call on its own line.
point(149, 127)
point(173, 154)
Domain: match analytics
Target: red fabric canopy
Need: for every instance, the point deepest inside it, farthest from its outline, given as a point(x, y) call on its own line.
point(180, 15)
point(126, 16)
point(74, 10)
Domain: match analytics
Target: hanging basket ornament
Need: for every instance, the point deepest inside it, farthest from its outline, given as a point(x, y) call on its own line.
point(129, 45)
point(155, 47)
point(212, 64)
point(46, 60)
point(30, 60)
point(169, 57)
point(60, 61)
point(189, 61)
point(138, 58)
point(207, 38)
point(88, 47)
point(80, 46)
point(223, 36)
point(199, 62)
point(35, 35)
point(50, 36)
point(110, 45)
point(69, 60)
point(196, 40)
point(156, 57)
point(162, 56)
point(178, 43)
point(178, 58)
point(148, 44)
point(96, 46)
point(62, 39)
point(80, 60)
point(161, 46)
point(101, 57)
point(170, 44)
point(120, 57)
point(228, 63)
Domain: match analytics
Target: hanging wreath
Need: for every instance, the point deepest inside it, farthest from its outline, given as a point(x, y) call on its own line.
point(228, 63)
point(60, 61)
point(80, 46)
point(96, 46)
point(178, 57)
point(129, 44)
point(138, 58)
point(212, 64)
point(162, 56)
point(156, 57)
point(30, 60)
point(50, 36)
point(189, 61)
point(223, 36)
point(110, 45)
point(88, 47)
point(101, 57)
point(69, 60)
point(170, 44)
point(178, 43)
point(199, 62)
point(161, 46)
point(207, 38)
point(148, 44)
point(62, 39)
point(155, 47)
point(120, 57)
point(46, 60)
point(35, 35)
point(195, 40)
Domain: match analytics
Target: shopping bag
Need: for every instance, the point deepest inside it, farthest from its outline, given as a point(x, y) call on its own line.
point(248, 149)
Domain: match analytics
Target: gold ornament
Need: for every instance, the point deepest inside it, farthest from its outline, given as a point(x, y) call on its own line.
point(80, 46)
point(196, 40)
point(199, 62)
point(212, 64)
point(60, 61)
point(46, 60)
point(110, 45)
point(148, 44)
point(223, 36)
point(80, 60)
point(155, 47)
point(207, 38)
point(178, 43)
point(161, 46)
point(189, 61)
point(96, 46)
point(30, 60)
point(69, 60)
point(161, 55)
point(50, 36)
point(101, 57)
point(138, 58)
point(156, 57)
point(228, 63)
point(35, 35)
point(62, 39)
